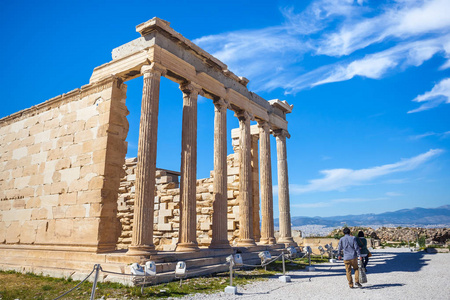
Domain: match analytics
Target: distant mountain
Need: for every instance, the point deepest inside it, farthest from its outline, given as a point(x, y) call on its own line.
point(416, 216)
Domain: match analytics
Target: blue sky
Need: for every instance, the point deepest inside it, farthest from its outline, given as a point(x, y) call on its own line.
point(369, 81)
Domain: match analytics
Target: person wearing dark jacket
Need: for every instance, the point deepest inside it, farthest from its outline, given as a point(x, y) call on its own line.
point(350, 247)
point(362, 243)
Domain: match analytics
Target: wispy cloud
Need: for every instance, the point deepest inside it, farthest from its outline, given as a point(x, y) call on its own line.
point(441, 135)
point(374, 66)
point(402, 20)
point(338, 201)
point(272, 56)
point(341, 179)
point(394, 194)
point(439, 94)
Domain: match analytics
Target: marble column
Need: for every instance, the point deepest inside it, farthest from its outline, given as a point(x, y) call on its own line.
point(142, 239)
point(187, 240)
point(245, 182)
point(267, 225)
point(283, 188)
point(255, 188)
point(219, 217)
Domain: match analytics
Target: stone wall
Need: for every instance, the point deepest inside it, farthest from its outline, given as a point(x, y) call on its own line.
point(167, 210)
point(403, 234)
point(60, 168)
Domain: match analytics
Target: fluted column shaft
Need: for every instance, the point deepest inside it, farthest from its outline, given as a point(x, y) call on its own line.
point(267, 225)
point(142, 239)
point(219, 217)
point(245, 182)
point(255, 187)
point(283, 188)
point(187, 240)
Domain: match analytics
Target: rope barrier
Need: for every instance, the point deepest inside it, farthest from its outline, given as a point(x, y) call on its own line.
point(263, 264)
point(76, 285)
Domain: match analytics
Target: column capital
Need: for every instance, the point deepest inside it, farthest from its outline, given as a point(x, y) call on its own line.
point(221, 103)
point(191, 87)
point(244, 115)
point(264, 125)
point(281, 133)
point(153, 69)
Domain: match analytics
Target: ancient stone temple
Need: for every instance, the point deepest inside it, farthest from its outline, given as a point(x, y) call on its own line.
point(69, 199)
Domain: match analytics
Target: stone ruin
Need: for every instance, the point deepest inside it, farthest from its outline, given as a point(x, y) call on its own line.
point(68, 197)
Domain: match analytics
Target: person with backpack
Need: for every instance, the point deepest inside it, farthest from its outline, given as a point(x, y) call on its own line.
point(362, 243)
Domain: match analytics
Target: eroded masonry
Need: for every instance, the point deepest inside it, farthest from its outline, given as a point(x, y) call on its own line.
point(68, 195)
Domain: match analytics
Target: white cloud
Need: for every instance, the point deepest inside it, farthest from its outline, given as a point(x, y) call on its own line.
point(272, 56)
point(440, 93)
point(394, 194)
point(337, 201)
point(401, 20)
point(442, 135)
point(341, 179)
point(376, 65)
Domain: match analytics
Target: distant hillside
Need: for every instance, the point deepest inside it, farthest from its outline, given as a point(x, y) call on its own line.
point(416, 216)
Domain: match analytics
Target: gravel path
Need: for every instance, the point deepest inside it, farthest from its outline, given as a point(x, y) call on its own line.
point(391, 273)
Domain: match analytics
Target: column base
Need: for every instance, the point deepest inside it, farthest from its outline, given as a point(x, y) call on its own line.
point(145, 250)
point(268, 241)
point(187, 247)
point(287, 241)
point(246, 243)
point(220, 245)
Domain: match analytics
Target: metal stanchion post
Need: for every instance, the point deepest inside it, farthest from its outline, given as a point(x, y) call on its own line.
point(231, 289)
point(94, 284)
point(284, 278)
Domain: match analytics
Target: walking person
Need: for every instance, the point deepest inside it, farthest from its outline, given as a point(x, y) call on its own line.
point(362, 243)
point(350, 247)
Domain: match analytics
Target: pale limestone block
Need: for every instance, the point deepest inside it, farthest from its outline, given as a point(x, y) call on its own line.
point(92, 122)
point(17, 215)
point(20, 153)
point(131, 177)
point(64, 228)
point(68, 198)
point(76, 211)
point(27, 141)
point(18, 203)
point(37, 128)
point(83, 136)
point(50, 124)
point(49, 170)
point(59, 212)
point(33, 202)
point(63, 163)
point(74, 150)
point(5, 205)
point(2, 232)
point(165, 226)
point(21, 182)
point(79, 185)
point(34, 149)
point(64, 141)
point(42, 137)
point(49, 200)
point(39, 157)
point(17, 126)
point(13, 232)
point(205, 226)
point(70, 175)
point(84, 114)
point(41, 213)
point(176, 198)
